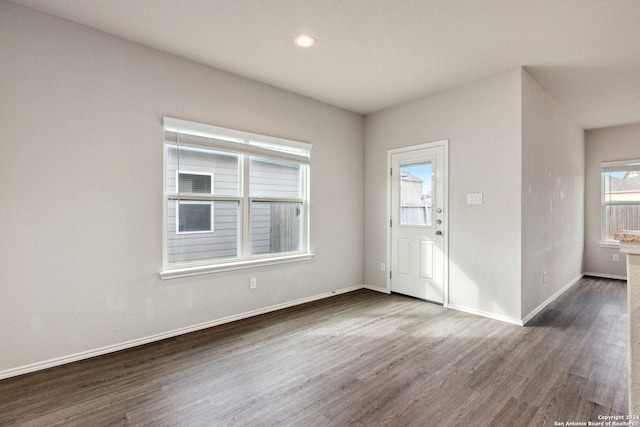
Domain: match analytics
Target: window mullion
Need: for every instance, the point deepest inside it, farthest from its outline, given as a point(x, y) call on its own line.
point(245, 231)
point(306, 225)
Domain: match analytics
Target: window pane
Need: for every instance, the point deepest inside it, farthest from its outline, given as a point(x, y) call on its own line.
point(622, 187)
point(274, 179)
point(194, 216)
point(415, 194)
point(194, 183)
point(222, 242)
point(197, 169)
point(276, 227)
point(622, 202)
point(621, 217)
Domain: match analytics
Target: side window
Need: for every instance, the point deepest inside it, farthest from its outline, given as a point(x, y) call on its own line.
point(620, 198)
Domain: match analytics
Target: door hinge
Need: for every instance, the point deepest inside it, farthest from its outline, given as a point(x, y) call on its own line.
point(390, 171)
point(390, 223)
point(389, 274)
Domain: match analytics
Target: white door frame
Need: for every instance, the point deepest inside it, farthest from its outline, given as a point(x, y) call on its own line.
point(445, 228)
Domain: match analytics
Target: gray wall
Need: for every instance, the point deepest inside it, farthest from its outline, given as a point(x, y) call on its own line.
point(608, 144)
point(81, 210)
point(552, 196)
point(482, 123)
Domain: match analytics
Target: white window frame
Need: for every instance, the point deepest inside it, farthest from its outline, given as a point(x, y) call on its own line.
point(606, 167)
point(245, 145)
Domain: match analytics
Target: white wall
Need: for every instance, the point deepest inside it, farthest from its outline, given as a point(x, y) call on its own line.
point(81, 206)
point(552, 196)
point(482, 123)
point(607, 144)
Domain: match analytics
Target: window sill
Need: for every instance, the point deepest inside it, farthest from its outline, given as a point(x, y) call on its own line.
point(612, 245)
point(230, 266)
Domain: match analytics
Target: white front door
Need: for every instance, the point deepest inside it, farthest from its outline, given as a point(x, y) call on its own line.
point(418, 221)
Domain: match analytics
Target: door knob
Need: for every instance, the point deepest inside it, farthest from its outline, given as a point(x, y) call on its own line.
point(438, 232)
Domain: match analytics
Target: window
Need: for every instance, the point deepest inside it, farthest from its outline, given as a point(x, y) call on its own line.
point(620, 198)
point(195, 182)
point(415, 194)
point(195, 217)
point(232, 199)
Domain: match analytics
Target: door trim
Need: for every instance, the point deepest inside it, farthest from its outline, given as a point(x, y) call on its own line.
point(445, 230)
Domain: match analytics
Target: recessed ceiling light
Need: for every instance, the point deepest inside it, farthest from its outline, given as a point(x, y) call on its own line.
point(304, 40)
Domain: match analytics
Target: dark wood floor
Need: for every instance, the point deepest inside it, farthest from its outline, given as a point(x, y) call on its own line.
point(361, 358)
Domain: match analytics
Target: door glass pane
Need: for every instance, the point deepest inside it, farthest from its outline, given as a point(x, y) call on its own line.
point(415, 194)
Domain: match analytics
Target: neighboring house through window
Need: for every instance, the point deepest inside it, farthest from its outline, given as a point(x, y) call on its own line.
point(194, 216)
point(620, 198)
point(415, 194)
point(232, 199)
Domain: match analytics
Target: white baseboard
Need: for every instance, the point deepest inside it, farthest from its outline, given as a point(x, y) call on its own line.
point(377, 289)
point(493, 316)
point(605, 276)
point(157, 337)
point(552, 298)
point(176, 332)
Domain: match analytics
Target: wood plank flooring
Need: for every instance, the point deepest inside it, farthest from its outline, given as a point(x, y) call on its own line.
point(361, 358)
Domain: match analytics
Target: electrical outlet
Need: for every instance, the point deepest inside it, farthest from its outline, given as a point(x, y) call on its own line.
point(253, 283)
point(616, 257)
point(474, 198)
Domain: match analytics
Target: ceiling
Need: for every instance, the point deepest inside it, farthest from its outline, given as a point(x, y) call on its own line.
point(373, 54)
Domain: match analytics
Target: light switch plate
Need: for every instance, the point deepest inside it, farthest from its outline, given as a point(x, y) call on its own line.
point(474, 198)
